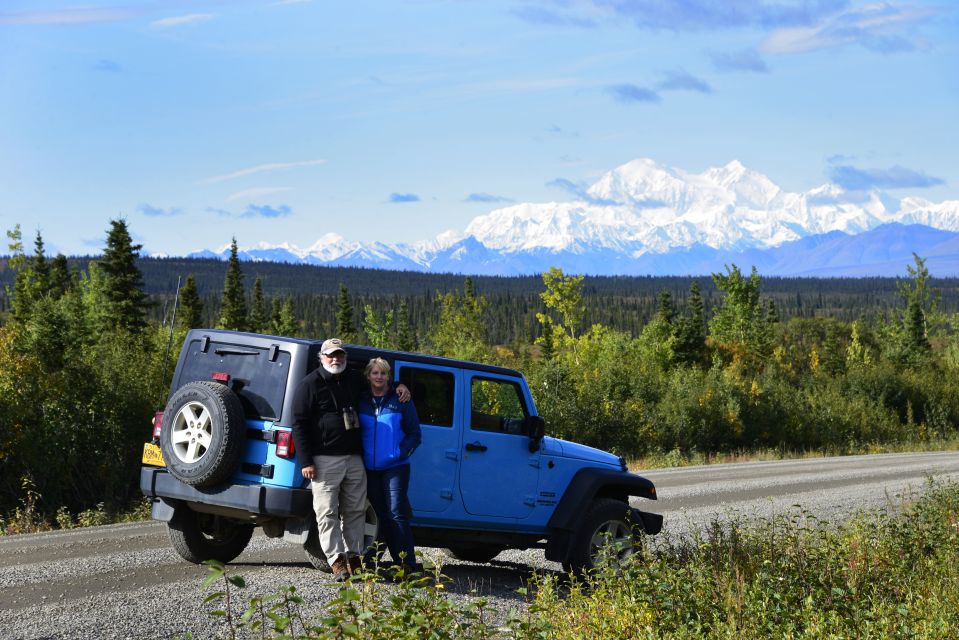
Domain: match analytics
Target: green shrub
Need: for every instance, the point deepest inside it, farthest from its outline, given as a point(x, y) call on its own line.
point(877, 575)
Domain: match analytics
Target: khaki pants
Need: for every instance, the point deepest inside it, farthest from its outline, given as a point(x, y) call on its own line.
point(339, 492)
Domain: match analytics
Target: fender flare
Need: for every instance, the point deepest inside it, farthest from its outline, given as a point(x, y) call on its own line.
point(587, 485)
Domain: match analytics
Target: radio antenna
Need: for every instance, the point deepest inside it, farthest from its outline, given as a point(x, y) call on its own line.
point(176, 299)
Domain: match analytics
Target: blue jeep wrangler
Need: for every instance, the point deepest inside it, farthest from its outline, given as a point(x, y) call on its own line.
point(484, 479)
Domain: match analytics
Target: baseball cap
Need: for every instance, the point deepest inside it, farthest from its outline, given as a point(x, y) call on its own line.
point(332, 346)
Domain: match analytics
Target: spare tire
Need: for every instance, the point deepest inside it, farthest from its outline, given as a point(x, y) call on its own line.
point(203, 433)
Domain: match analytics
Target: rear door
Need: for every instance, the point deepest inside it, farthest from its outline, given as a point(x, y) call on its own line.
point(433, 464)
point(498, 474)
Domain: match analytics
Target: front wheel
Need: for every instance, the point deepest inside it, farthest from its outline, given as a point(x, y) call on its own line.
point(607, 535)
point(199, 537)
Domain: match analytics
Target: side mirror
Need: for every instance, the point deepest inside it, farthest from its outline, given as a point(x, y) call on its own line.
point(535, 429)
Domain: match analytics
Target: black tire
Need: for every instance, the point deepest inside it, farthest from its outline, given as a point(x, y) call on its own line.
point(203, 433)
point(371, 546)
point(476, 552)
point(607, 533)
point(199, 537)
point(314, 553)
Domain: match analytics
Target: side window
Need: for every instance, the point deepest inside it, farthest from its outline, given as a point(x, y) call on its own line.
point(433, 393)
point(496, 405)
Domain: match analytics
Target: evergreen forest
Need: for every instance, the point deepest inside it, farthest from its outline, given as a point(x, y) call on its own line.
point(727, 362)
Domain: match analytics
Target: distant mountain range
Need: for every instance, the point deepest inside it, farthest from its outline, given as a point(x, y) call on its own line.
point(642, 218)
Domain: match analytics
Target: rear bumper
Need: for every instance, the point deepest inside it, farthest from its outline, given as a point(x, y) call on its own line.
point(255, 499)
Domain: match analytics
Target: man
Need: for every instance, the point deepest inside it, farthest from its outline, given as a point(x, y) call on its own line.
point(330, 451)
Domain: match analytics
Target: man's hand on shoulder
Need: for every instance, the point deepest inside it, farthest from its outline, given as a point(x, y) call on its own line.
point(403, 393)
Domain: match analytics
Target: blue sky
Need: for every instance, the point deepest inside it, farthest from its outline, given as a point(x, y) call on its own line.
point(280, 121)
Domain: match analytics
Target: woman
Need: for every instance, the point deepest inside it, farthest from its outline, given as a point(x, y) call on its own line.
point(390, 431)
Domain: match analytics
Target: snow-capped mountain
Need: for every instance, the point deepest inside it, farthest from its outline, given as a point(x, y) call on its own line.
point(640, 217)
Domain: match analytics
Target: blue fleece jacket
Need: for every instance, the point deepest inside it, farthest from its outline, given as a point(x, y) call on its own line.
point(390, 430)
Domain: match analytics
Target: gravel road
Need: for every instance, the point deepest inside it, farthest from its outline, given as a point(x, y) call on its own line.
point(124, 581)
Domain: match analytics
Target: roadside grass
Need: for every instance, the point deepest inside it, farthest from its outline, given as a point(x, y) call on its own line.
point(878, 574)
point(31, 517)
point(679, 458)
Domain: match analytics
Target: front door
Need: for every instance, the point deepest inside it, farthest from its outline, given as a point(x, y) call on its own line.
point(498, 474)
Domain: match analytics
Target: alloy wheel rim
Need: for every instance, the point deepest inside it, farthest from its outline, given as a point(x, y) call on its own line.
point(192, 432)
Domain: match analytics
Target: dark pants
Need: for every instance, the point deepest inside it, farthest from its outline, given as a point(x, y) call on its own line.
point(388, 493)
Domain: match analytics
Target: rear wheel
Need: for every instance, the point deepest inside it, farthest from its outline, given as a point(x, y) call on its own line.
point(476, 552)
point(607, 535)
point(314, 552)
point(199, 537)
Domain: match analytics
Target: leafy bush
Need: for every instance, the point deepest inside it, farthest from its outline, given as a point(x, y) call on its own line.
point(877, 575)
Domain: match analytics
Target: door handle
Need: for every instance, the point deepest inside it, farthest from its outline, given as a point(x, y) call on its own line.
point(475, 446)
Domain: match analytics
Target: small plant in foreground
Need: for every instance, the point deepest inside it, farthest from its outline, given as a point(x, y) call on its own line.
point(879, 574)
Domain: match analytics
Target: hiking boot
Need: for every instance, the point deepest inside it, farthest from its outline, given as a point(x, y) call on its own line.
point(356, 566)
point(341, 568)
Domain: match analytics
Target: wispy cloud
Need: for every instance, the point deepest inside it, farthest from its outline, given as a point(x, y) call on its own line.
point(262, 168)
point(76, 15)
point(556, 130)
point(896, 177)
point(537, 14)
point(266, 211)
point(254, 211)
point(400, 198)
point(579, 191)
point(108, 66)
point(486, 197)
point(257, 192)
point(682, 81)
point(158, 212)
point(710, 15)
point(745, 60)
point(179, 21)
point(632, 93)
point(884, 27)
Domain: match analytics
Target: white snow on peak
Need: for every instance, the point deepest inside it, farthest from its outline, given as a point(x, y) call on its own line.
point(642, 207)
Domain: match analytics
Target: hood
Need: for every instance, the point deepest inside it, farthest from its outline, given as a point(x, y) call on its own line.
point(567, 449)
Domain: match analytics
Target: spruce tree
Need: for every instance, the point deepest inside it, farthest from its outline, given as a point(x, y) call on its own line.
point(20, 294)
point(40, 268)
point(345, 329)
point(286, 321)
point(276, 313)
point(259, 321)
point(690, 345)
point(697, 316)
point(405, 336)
point(233, 302)
point(122, 279)
point(921, 302)
point(61, 280)
point(191, 307)
point(665, 308)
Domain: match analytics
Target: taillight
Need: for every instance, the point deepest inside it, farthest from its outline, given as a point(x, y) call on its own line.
point(221, 376)
point(284, 444)
point(157, 424)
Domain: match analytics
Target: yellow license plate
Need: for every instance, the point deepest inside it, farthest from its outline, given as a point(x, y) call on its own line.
point(152, 455)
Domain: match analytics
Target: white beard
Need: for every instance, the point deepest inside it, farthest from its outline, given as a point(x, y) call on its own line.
point(335, 369)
